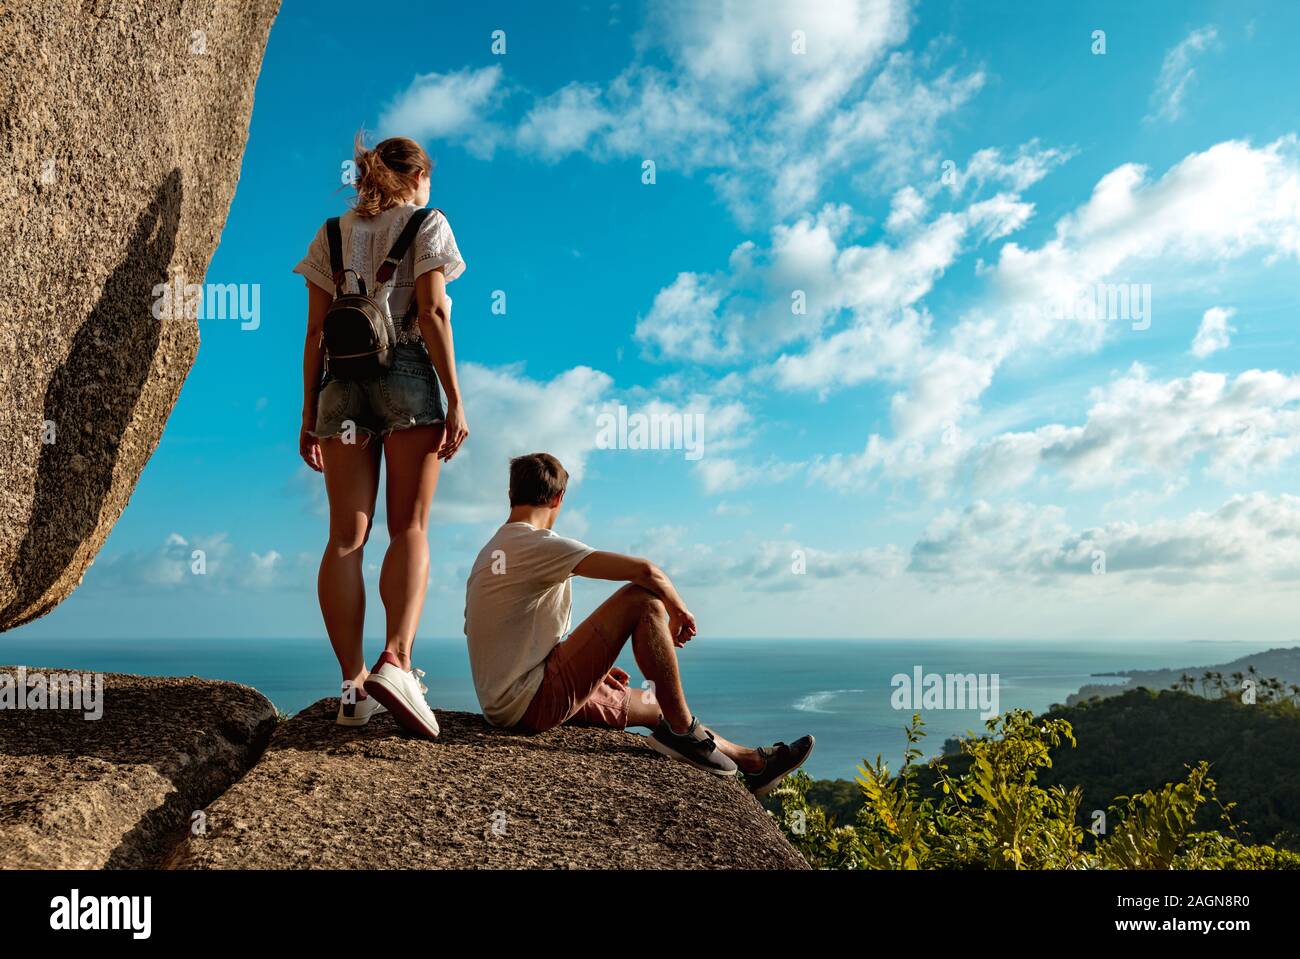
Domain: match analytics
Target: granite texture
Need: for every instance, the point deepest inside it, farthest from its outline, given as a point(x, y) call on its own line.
point(122, 130)
point(120, 791)
point(329, 797)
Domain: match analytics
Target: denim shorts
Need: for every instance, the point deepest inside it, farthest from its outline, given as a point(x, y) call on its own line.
point(407, 395)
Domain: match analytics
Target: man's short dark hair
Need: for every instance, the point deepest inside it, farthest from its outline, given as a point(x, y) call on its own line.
point(536, 479)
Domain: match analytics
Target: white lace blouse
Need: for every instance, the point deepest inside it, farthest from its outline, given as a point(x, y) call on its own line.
point(367, 240)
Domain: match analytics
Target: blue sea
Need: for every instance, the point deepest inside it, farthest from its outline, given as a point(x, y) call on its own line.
point(752, 691)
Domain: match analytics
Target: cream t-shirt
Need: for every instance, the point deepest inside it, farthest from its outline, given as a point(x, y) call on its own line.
point(367, 240)
point(518, 603)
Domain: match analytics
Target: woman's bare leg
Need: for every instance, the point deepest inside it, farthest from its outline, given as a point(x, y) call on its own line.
point(351, 483)
point(412, 462)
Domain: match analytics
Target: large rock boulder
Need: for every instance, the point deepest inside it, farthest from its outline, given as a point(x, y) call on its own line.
point(122, 128)
point(328, 797)
point(119, 791)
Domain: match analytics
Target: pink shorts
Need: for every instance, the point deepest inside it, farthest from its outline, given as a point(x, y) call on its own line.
point(574, 689)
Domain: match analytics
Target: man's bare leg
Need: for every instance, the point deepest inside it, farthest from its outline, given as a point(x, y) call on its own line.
point(641, 712)
point(656, 657)
point(636, 613)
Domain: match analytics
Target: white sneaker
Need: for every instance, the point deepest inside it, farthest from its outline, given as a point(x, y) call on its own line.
point(403, 694)
point(357, 712)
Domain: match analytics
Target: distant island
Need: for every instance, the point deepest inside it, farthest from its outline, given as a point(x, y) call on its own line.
point(1151, 731)
point(1282, 664)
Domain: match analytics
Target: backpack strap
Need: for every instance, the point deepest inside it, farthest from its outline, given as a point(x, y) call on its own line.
point(404, 241)
point(335, 236)
point(336, 249)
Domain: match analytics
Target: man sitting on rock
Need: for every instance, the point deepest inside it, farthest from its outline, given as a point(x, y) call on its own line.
point(517, 608)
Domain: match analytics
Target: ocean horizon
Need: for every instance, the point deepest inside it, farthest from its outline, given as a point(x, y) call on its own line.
point(753, 691)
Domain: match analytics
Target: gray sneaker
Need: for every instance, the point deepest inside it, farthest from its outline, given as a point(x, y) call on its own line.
point(778, 762)
point(695, 747)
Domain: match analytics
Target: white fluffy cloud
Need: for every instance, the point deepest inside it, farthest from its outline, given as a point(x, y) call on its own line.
point(511, 414)
point(519, 415)
point(736, 49)
point(1249, 537)
point(209, 562)
point(451, 106)
point(811, 273)
point(886, 137)
point(563, 122)
point(771, 99)
point(1237, 427)
point(876, 346)
point(723, 474)
point(1030, 164)
point(1176, 73)
point(1214, 333)
point(763, 565)
point(1229, 201)
point(685, 323)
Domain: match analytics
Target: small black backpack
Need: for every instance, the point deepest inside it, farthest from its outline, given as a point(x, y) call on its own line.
point(360, 337)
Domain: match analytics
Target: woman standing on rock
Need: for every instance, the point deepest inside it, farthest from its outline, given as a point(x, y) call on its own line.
point(378, 345)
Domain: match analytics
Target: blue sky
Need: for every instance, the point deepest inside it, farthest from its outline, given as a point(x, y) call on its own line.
point(933, 447)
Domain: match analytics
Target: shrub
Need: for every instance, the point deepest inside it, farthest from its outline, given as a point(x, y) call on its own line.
point(995, 815)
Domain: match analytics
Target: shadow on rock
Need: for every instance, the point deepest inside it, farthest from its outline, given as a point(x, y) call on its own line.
point(90, 400)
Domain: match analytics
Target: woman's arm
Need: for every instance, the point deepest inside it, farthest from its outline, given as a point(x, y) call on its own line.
point(313, 361)
point(435, 327)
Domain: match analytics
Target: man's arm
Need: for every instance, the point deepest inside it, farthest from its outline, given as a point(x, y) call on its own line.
point(643, 573)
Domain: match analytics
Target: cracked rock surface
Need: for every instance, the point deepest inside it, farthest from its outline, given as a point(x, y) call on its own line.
point(326, 796)
point(119, 791)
